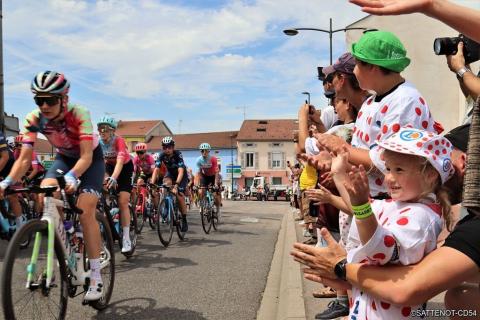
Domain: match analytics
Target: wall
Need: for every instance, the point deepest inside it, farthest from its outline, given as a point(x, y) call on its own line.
point(428, 72)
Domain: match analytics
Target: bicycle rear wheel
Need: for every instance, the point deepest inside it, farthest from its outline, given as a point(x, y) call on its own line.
point(215, 216)
point(205, 216)
point(179, 223)
point(107, 262)
point(37, 301)
point(139, 211)
point(164, 223)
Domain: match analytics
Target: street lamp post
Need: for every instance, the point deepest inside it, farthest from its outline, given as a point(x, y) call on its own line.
point(308, 95)
point(231, 159)
point(294, 32)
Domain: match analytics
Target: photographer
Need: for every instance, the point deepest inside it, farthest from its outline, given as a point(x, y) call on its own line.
point(469, 83)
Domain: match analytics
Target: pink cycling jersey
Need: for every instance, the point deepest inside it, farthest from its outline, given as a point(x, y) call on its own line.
point(115, 150)
point(146, 165)
point(64, 135)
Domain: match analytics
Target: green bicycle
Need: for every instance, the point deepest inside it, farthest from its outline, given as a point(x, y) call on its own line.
point(36, 283)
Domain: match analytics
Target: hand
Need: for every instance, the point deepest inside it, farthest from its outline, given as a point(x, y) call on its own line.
point(319, 196)
point(322, 260)
point(71, 182)
point(111, 182)
point(175, 189)
point(313, 275)
point(340, 162)
point(358, 188)
point(3, 186)
point(330, 142)
point(326, 180)
point(392, 7)
point(456, 61)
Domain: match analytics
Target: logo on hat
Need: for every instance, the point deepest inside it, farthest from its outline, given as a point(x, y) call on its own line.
point(410, 135)
point(447, 165)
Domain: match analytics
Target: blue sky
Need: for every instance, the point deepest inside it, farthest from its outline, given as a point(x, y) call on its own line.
point(198, 62)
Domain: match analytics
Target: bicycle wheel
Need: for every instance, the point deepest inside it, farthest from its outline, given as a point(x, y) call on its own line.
point(215, 216)
point(152, 218)
point(205, 216)
point(107, 262)
point(139, 210)
point(164, 223)
point(37, 301)
point(179, 223)
point(115, 234)
point(133, 231)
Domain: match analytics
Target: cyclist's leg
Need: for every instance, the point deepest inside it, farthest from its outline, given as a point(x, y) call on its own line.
point(90, 190)
point(16, 209)
point(125, 187)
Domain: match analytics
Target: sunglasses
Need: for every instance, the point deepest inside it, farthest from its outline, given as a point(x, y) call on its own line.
point(50, 101)
point(204, 151)
point(140, 152)
point(103, 129)
point(167, 147)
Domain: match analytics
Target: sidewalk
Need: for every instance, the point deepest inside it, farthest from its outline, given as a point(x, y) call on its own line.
point(287, 294)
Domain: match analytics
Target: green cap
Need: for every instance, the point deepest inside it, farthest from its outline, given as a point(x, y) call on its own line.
point(381, 48)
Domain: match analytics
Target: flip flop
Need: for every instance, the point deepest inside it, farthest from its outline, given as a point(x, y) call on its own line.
point(325, 293)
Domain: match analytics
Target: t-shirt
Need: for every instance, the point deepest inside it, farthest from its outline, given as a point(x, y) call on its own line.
point(308, 178)
point(146, 165)
point(311, 147)
point(466, 237)
point(207, 166)
point(65, 135)
point(381, 116)
point(406, 233)
point(115, 150)
point(328, 116)
point(172, 163)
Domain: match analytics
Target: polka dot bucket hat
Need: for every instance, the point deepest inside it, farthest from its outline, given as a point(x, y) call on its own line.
point(436, 149)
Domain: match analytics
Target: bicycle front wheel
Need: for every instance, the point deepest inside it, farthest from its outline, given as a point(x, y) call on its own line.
point(139, 212)
point(107, 262)
point(31, 298)
point(205, 216)
point(164, 223)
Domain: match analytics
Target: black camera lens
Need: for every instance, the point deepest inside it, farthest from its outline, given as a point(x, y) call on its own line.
point(445, 46)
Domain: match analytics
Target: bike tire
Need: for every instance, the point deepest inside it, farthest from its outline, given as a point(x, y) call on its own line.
point(107, 257)
point(178, 224)
point(164, 223)
point(215, 217)
point(14, 267)
point(139, 215)
point(205, 216)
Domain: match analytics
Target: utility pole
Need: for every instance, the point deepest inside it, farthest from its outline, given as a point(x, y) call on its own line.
point(2, 100)
point(244, 111)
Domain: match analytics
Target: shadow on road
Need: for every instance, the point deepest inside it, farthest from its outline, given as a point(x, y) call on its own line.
point(144, 308)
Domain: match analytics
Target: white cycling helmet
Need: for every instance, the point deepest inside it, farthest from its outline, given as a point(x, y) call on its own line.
point(156, 156)
point(11, 142)
point(205, 146)
point(168, 141)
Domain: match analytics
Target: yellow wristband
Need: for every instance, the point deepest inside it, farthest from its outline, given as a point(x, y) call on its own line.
point(363, 211)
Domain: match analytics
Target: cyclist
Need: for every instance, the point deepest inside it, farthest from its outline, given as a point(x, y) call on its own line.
point(119, 168)
point(6, 164)
point(68, 128)
point(208, 172)
point(176, 174)
point(144, 163)
point(34, 176)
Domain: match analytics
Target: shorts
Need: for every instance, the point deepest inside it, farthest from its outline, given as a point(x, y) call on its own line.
point(8, 167)
point(182, 186)
point(124, 180)
point(91, 181)
point(205, 181)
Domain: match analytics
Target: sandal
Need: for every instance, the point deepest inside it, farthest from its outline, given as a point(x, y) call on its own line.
point(326, 292)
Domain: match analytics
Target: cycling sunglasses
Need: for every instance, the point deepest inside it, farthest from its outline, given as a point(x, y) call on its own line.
point(204, 151)
point(103, 129)
point(50, 101)
point(165, 147)
point(140, 152)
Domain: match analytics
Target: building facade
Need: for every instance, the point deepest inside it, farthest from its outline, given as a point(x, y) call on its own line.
point(264, 147)
point(142, 131)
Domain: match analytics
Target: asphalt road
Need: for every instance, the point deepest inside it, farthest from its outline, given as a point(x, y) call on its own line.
point(217, 276)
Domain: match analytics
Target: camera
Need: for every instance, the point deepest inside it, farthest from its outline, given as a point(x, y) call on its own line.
point(448, 46)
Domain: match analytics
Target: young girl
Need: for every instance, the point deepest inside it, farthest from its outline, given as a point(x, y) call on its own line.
point(403, 229)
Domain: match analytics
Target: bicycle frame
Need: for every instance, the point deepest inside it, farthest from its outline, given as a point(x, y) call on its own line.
point(55, 227)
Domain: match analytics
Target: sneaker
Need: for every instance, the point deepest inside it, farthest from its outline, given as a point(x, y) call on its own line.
point(126, 245)
point(184, 224)
point(335, 309)
point(94, 292)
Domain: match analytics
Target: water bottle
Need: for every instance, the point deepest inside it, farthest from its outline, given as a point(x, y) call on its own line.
point(148, 207)
point(68, 225)
point(115, 214)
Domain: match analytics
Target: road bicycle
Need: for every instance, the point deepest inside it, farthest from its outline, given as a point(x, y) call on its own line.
point(143, 201)
point(168, 217)
point(208, 209)
point(109, 203)
point(37, 283)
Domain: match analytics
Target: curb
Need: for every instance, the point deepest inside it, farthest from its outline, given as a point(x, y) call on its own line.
point(283, 295)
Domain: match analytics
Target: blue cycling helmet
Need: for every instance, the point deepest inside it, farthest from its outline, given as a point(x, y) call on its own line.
point(108, 121)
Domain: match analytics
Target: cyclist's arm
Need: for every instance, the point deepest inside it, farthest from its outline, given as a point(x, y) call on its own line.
point(181, 172)
point(22, 164)
point(155, 175)
point(85, 160)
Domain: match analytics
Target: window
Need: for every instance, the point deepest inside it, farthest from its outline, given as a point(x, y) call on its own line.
point(261, 129)
point(249, 160)
point(262, 122)
point(249, 144)
point(276, 159)
point(276, 180)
